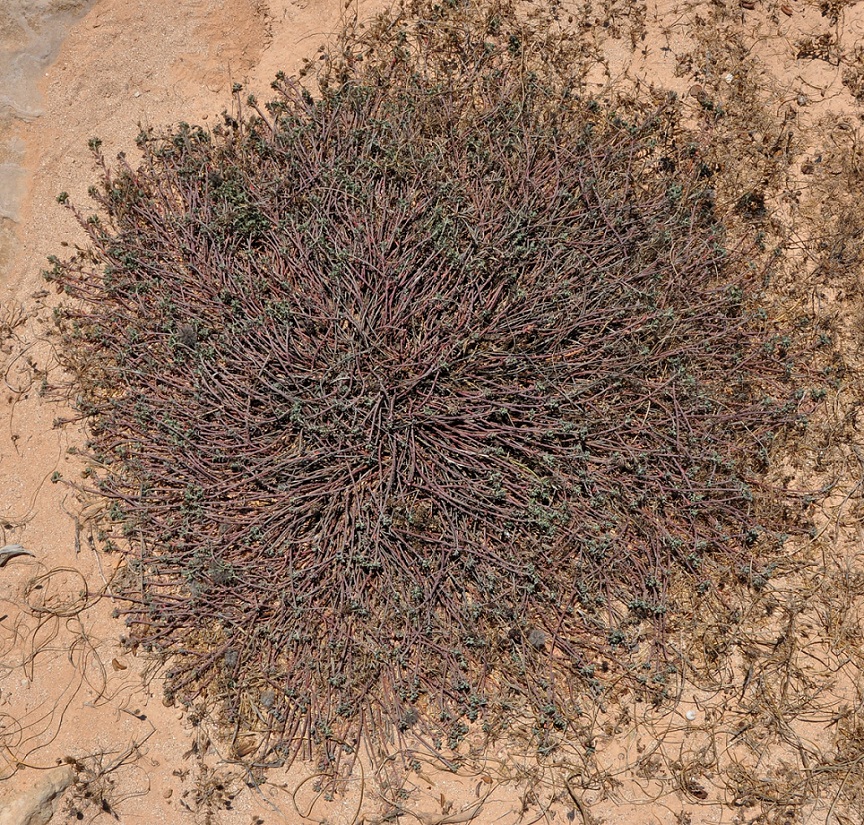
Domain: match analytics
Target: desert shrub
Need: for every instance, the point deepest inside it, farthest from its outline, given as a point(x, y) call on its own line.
point(410, 396)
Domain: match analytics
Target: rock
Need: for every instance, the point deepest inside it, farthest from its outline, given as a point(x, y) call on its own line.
point(34, 805)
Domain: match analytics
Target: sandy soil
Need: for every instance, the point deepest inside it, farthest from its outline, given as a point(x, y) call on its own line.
point(767, 725)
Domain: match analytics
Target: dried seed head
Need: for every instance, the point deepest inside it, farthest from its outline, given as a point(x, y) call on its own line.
point(187, 336)
point(537, 638)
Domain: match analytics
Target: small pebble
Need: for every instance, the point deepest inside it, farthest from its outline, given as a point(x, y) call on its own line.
point(167, 793)
point(802, 100)
point(691, 715)
point(729, 77)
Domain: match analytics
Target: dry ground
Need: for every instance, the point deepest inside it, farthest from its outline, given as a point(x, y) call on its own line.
point(766, 719)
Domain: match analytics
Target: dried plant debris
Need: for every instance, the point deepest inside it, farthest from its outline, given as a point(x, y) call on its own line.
point(818, 47)
point(407, 398)
point(11, 551)
point(853, 75)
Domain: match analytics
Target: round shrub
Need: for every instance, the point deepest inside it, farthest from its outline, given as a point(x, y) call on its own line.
point(409, 396)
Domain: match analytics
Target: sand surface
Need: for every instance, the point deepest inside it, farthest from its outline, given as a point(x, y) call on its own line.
point(766, 725)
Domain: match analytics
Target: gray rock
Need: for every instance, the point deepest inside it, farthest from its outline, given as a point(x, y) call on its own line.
point(34, 804)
